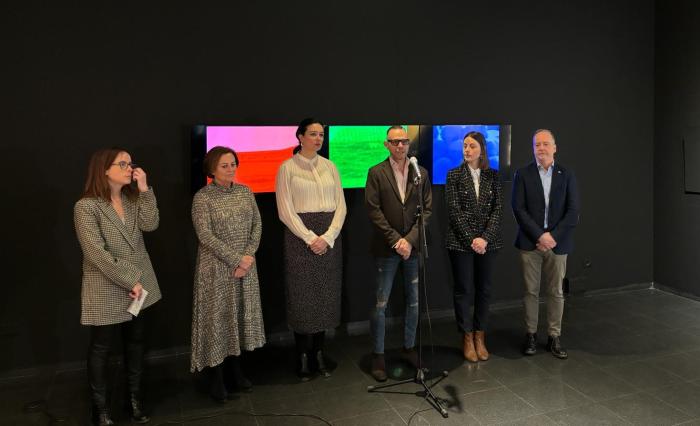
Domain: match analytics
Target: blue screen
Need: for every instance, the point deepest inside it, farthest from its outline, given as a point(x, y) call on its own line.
point(447, 147)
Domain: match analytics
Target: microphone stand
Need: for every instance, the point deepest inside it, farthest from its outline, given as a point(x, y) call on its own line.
point(419, 378)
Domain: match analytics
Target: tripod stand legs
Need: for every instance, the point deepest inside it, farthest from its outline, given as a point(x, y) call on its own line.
point(427, 392)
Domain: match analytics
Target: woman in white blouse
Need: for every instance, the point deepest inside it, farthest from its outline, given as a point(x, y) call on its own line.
point(311, 203)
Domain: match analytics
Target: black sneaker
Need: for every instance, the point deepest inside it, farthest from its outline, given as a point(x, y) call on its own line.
point(530, 347)
point(554, 346)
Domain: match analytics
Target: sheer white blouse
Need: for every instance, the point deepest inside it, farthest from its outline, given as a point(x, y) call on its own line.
point(309, 186)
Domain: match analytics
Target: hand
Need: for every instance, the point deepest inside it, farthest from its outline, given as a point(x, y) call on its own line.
point(479, 245)
point(239, 272)
point(547, 241)
point(246, 262)
point(403, 248)
point(136, 291)
point(139, 176)
point(319, 246)
point(540, 247)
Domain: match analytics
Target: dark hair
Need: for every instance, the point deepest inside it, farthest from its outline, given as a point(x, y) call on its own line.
point(211, 160)
point(538, 131)
point(303, 125)
point(97, 184)
point(484, 156)
point(394, 127)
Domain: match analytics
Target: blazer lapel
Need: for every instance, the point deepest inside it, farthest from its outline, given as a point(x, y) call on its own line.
point(389, 174)
point(556, 183)
point(484, 189)
point(540, 191)
point(468, 182)
point(112, 215)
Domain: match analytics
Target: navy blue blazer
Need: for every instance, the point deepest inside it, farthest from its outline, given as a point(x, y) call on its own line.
point(528, 207)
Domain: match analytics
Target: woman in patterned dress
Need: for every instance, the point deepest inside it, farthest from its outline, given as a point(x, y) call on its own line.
point(311, 203)
point(226, 312)
point(474, 210)
point(110, 219)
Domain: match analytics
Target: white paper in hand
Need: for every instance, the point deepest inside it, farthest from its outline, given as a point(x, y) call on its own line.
point(135, 306)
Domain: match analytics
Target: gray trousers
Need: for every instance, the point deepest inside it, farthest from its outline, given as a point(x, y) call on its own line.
point(548, 268)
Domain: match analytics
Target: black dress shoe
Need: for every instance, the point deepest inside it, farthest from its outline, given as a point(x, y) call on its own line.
point(530, 347)
point(554, 346)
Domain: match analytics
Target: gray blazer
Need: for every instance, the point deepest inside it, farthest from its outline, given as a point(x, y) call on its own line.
point(114, 256)
point(393, 219)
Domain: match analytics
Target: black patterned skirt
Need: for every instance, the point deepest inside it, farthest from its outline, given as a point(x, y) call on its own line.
point(312, 282)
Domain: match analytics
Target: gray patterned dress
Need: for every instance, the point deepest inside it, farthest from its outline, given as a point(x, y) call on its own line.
point(226, 312)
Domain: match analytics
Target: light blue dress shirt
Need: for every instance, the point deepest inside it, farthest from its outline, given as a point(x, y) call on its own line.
point(546, 178)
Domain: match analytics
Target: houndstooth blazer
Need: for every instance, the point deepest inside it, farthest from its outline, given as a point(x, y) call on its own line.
point(470, 218)
point(114, 256)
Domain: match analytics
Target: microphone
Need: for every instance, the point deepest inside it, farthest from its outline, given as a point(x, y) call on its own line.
point(414, 163)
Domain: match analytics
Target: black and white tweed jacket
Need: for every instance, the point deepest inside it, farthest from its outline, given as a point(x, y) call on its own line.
point(470, 218)
point(114, 256)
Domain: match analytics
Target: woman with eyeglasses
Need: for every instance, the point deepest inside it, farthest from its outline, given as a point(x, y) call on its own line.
point(226, 312)
point(311, 203)
point(110, 218)
point(474, 210)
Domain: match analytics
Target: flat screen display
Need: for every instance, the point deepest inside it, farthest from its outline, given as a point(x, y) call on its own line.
point(355, 149)
point(260, 149)
point(447, 142)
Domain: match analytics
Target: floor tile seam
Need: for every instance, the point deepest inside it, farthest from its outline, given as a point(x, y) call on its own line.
point(364, 413)
point(591, 404)
point(653, 397)
point(671, 405)
point(589, 400)
point(473, 392)
point(278, 399)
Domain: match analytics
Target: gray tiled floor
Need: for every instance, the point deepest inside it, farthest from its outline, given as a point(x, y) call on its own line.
point(634, 359)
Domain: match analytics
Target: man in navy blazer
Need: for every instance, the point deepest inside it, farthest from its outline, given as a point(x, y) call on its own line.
point(545, 203)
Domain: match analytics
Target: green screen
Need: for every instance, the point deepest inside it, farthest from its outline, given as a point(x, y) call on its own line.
point(354, 149)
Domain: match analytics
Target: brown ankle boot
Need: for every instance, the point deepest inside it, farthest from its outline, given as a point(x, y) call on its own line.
point(469, 352)
point(481, 351)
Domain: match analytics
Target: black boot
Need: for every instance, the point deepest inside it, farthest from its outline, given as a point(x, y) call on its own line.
point(319, 360)
point(97, 377)
point(217, 389)
point(234, 377)
point(135, 409)
point(302, 343)
point(133, 341)
point(530, 346)
point(100, 417)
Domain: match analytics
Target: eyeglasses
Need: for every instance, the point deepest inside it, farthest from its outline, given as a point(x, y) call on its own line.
point(396, 142)
point(123, 165)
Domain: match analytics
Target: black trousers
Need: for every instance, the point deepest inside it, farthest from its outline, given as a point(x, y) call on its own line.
point(101, 339)
point(472, 286)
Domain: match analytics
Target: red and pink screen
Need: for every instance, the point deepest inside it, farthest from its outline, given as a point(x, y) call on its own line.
point(260, 149)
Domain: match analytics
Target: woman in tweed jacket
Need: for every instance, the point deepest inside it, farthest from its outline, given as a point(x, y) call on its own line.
point(226, 311)
point(474, 209)
point(109, 221)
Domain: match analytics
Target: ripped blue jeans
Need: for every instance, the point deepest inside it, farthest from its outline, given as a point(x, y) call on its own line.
point(386, 271)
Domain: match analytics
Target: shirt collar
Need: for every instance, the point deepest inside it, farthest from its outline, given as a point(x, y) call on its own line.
point(395, 165)
point(540, 167)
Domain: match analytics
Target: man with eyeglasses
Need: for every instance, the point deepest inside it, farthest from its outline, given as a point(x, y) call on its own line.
point(392, 202)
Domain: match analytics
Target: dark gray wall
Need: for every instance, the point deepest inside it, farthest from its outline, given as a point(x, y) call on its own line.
point(76, 79)
point(677, 117)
